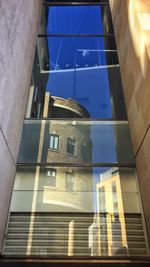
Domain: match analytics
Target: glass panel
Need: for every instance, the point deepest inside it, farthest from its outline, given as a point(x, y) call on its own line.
point(80, 222)
point(76, 20)
point(106, 142)
point(83, 69)
point(51, 145)
point(51, 173)
point(71, 146)
point(70, 181)
point(56, 142)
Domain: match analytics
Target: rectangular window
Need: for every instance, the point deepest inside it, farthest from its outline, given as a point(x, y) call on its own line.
point(51, 173)
point(102, 200)
point(84, 152)
point(53, 141)
point(71, 146)
point(70, 181)
point(114, 197)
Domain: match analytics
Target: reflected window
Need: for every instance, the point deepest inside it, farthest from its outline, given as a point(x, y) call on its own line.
point(70, 181)
point(84, 152)
point(51, 173)
point(102, 200)
point(71, 146)
point(114, 197)
point(53, 141)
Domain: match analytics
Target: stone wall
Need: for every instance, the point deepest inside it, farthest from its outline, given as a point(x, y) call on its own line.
point(19, 21)
point(131, 20)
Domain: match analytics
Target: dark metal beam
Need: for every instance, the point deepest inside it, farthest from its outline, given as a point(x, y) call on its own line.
point(125, 261)
point(76, 3)
point(76, 35)
point(87, 165)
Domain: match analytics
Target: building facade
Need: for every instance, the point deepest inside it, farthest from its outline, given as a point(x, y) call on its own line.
point(83, 199)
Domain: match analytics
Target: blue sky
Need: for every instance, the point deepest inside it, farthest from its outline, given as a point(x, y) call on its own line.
point(78, 64)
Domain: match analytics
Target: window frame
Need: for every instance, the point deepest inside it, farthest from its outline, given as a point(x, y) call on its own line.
point(55, 137)
point(71, 146)
point(71, 176)
point(50, 177)
point(84, 152)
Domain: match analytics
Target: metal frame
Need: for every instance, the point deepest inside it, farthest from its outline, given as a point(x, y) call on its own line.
point(76, 35)
point(76, 3)
point(86, 165)
point(79, 119)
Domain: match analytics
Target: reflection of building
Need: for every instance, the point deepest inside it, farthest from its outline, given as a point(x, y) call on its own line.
point(94, 237)
point(19, 21)
point(67, 190)
point(59, 196)
point(67, 142)
point(119, 214)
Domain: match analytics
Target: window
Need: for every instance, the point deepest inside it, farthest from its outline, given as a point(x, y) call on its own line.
point(70, 181)
point(102, 200)
point(114, 196)
point(54, 141)
point(84, 152)
point(114, 189)
point(71, 146)
point(51, 173)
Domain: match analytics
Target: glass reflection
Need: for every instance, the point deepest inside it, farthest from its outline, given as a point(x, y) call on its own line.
point(91, 142)
point(90, 212)
point(76, 52)
point(64, 206)
point(84, 67)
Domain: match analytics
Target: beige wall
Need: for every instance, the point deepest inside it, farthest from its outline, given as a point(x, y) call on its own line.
point(18, 23)
point(131, 20)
